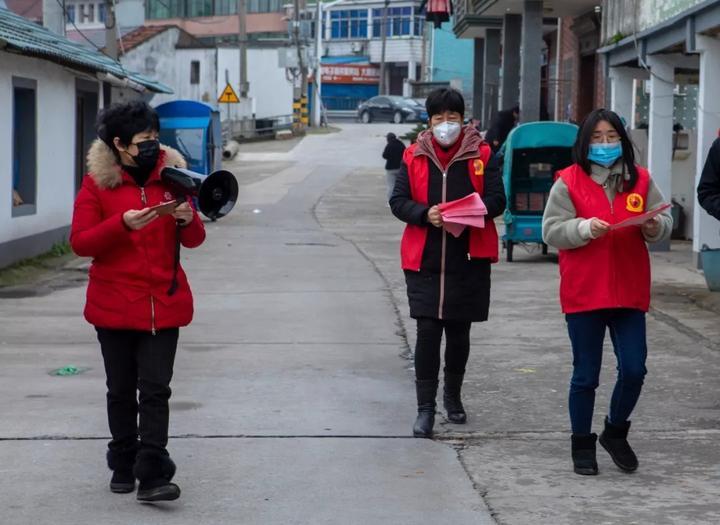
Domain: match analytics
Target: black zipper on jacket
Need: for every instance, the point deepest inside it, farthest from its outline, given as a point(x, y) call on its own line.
point(466, 157)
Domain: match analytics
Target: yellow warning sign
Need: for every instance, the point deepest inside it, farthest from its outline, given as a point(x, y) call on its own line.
point(228, 96)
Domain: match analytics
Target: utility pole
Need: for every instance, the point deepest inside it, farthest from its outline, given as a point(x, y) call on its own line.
point(111, 33)
point(384, 30)
point(297, 6)
point(242, 47)
point(317, 102)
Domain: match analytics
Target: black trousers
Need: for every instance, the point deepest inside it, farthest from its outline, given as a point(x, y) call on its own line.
point(138, 361)
point(427, 350)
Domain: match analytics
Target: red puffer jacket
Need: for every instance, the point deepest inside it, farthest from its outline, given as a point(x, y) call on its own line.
point(131, 271)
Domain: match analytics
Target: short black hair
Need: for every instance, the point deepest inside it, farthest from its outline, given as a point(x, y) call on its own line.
point(125, 120)
point(391, 136)
point(584, 138)
point(445, 99)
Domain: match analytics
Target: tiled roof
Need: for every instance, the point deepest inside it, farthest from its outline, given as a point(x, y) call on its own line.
point(31, 9)
point(20, 35)
point(140, 35)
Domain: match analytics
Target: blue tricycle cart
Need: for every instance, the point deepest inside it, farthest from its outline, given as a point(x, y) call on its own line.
point(193, 128)
point(533, 153)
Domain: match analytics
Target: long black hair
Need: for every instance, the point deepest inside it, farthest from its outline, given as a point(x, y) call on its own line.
point(584, 138)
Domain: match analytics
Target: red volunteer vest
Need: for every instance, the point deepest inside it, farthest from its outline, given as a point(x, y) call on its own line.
point(483, 241)
point(614, 270)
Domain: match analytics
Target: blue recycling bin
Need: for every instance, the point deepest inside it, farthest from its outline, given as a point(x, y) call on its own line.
point(711, 267)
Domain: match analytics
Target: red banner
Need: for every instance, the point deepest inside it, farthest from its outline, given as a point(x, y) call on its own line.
point(350, 74)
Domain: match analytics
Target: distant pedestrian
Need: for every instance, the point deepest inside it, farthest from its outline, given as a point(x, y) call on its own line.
point(604, 278)
point(448, 278)
point(138, 294)
point(709, 188)
point(501, 126)
point(392, 154)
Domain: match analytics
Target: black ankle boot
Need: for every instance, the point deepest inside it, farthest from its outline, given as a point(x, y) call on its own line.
point(583, 454)
point(426, 391)
point(154, 469)
point(121, 462)
point(451, 398)
point(614, 440)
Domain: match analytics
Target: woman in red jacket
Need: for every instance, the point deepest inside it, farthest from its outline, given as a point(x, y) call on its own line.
point(604, 278)
point(138, 294)
point(448, 278)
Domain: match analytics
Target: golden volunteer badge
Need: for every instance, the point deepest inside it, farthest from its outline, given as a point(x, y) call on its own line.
point(479, 167)
point(635, 203)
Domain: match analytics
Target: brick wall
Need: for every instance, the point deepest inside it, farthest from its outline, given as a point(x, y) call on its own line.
point(569, 71)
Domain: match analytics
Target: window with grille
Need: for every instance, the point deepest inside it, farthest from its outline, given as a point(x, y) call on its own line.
point(265, 6)
point(195, 72)
point(24, 146)
point(400, 22)
point(349, 23)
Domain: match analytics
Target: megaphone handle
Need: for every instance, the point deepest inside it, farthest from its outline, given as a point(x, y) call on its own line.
point(176, 264)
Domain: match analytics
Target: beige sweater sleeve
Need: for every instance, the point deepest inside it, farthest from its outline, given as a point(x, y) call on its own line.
point(561, 227)
point(654, 200)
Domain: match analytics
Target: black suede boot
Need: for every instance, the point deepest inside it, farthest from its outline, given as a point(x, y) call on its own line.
point(451, 398)
point(154, 469)
point(121, 462)
point(614, 440)
point(583, 454)
point(426, 391)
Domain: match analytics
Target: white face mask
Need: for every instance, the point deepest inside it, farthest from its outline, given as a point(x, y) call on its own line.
point(447, 133)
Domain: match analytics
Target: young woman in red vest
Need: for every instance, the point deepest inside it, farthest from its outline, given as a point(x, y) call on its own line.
point(604, 278)
point(448, 278)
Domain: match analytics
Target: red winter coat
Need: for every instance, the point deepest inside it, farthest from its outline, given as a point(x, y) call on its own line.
point(131, 271)
point(612, 271)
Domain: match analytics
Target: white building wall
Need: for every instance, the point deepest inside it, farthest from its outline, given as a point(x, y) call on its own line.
point(269, 86)
point(405, 49)
point(397, 50)
point(206, 89)
point(55, 186)
point(156, 58)
point(270, 90)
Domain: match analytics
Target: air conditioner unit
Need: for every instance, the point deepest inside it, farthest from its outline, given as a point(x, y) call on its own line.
point(358, 47)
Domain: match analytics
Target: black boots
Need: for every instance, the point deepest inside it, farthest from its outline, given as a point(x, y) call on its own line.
point(426, 391)
point(154, 469)
point(451, 398)
point(614, 440)
point(121, 462)
point(583, 454)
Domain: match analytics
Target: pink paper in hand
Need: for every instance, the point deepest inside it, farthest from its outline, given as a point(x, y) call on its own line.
point(458, 214)
point(639, 220)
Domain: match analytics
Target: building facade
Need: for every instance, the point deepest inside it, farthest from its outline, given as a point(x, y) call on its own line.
point(52, 89)
point(217, 21)
point(530, 53)
point(352, 50)
point(663, 62)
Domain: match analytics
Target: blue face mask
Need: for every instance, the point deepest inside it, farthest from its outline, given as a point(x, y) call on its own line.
point(605, 154)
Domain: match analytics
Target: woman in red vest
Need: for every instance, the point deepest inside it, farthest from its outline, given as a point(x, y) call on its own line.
point(138, 294)
point(448, 278)
point(604, 277)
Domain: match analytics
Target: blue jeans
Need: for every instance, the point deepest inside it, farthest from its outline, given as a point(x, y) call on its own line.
point(587, 334)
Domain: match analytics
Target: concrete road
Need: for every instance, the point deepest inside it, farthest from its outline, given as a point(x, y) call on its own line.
point(292, 401)
point(293, 397)
point(516, 445)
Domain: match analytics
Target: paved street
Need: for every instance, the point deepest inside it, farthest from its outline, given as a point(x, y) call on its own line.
point(293, 394)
